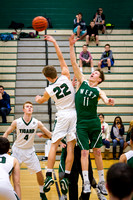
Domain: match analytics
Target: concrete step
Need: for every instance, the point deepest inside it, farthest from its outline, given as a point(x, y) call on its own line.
point(116, 76)
point(116, 56)
point(110, 118)
point(120, 101)
point(120, 69)
point(113, 109)
point(8, 76)
point(37, 69)
point(10, 118)
point(7, 69)
point(118, 92)
point(102, 43)
point(40, 43)
point(41, 49)
point(101, 49)
point(8, 84)
point(8, 56)
point(8, 49)
point(9, 43)
point(8, 62)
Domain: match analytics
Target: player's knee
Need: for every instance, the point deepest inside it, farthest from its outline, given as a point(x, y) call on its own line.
point(84, 153)
point(97, 151)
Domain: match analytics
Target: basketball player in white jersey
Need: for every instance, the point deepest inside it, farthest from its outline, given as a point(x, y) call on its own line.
point(8, 165)
point(23, 148)
point(62, 92)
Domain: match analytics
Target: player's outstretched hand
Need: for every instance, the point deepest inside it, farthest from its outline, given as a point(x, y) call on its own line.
point(72, 40)
point(37, 98)
point(111, 101)
point(49, 38)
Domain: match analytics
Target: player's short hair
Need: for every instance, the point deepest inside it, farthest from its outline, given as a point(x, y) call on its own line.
point(85, 45)
point(101, 75)
point(1, 86)
point(101, 114)
point(107, 45)
point(27, 102)
point(49, 71)
point(4, 145)
point(120, 180)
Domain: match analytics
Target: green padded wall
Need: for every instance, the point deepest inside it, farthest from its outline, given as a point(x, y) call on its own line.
point(62, 13)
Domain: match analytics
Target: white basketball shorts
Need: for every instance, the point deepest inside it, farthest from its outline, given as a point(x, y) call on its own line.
point(27, 156)
point(65, 125)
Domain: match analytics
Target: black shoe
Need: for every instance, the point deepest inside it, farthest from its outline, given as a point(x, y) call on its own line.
point(44, 158)
point(114, 158)
point(97, 45)
point(109, 71)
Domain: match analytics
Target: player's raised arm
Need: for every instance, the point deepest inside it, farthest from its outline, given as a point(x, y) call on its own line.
point(63, 65)
point(10, 129)
point(16, 177)
point(45, 131)
point(42, 99)
point(76, 69)
point(106, 100)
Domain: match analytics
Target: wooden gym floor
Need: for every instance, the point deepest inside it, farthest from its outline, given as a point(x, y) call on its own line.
point(30, 189)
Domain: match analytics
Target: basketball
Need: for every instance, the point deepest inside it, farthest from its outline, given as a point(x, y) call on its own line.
point(40, 23)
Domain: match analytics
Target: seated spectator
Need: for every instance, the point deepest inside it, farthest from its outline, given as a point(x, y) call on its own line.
point(128, 134)
point(85, 58)
point(5, 107)
point(120, 182)
point(117, 132)
point(99, 19)
point(105, 135)
point(79, 26)
point(92, 33)
point(107, 59)
point(128, 156)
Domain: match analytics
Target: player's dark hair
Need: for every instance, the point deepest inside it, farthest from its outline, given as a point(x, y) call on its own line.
point(49, 71)
point(120, 180)
point(4, 145)
point(101, 114)
point(85, 45)
point(80, 14)
point(1, 86)
point(101, 75)
point(27, 102)
point(107, 45)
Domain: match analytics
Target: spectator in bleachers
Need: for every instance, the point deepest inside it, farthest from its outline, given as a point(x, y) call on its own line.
point(79, 26)
point(105, 135)
point(92, 33)
point(119, 182)
point(5, 106)
point(107, 59)
point(117, 132)
point(85, 59)
point(128, 134)
point(99, 19)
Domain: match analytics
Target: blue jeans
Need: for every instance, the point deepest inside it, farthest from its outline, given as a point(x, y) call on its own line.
point(4, 112)
point(106, 143)
point(121, 143)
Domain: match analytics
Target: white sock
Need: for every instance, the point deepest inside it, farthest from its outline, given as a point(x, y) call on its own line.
point(49, 170)
point(81, 69)
point(85, 176)
point(41, 188)
point(101, 175)
point(67, 172)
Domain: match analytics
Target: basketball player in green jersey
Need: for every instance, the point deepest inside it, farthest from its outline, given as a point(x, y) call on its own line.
point(88, 123)
point(128, 156)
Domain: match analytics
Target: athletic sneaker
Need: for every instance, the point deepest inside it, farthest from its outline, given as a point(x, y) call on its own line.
point(64, 185)
point(43, 196)
point(63, 197)
point(99, 195)
point(102, 188)
point(48, 182)
point(87, 187)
